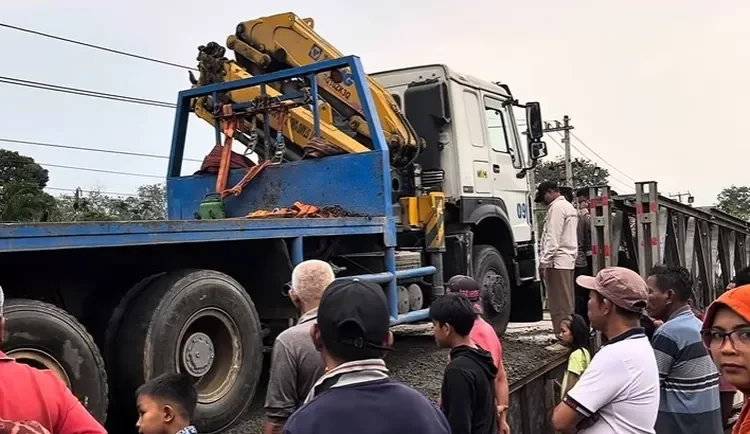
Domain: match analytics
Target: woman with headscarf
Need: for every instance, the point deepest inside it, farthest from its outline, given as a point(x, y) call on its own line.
point(726, 333)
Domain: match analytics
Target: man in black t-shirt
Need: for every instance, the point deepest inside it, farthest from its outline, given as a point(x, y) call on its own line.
point(468, 392)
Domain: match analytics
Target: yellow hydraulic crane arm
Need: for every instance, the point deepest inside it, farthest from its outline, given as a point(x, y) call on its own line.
point(298, 124)
point(284, 40)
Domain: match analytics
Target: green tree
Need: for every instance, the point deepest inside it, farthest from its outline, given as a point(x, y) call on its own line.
point(25, 202)
point(15, 167)
point(735, 200)
point(148, 204)
point(585, 173)
point(22, 198)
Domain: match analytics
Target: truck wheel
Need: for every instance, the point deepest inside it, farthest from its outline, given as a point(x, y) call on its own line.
point(201, 323)
point(46, 337)
point(491, 274)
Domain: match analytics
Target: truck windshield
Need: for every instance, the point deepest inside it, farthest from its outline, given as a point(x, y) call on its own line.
point(518, 139)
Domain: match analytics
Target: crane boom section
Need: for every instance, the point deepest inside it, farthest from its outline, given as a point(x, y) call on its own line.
point(298, 124)
point(285, 40)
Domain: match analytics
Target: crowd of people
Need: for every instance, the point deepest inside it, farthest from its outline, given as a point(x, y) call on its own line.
point(663, 367)
point(328, 373)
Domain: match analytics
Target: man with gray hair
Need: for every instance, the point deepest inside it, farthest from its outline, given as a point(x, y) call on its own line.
point(295, 363)
point(36, 401)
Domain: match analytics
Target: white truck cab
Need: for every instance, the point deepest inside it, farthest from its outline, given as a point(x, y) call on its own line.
point(477, 157)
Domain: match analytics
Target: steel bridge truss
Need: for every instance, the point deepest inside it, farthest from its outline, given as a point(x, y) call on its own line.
point(641, 230)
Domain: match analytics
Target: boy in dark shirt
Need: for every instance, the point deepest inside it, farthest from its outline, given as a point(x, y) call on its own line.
point(166, 405)
point(468, 394)
point(356, 395)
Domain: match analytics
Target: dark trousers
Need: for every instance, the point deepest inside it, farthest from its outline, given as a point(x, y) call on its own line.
point(582, 294)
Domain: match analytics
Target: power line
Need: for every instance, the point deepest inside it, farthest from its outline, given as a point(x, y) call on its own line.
point(97, 47)
point(85, 92)
point(108, 193)
point(622, 183)
point(556, 142)
point(601, 158)
point(87, 149)
point(583, 154)
point(113, 172)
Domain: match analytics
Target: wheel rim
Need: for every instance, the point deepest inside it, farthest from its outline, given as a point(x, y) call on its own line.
point(210, 351)
point(40, 360)
point(493, 281)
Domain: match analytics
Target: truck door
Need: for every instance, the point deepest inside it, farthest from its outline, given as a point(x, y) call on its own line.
point(480, 158)
point(505, 159)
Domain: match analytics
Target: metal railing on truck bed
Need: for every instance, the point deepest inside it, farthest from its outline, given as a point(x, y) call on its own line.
point(357, 183)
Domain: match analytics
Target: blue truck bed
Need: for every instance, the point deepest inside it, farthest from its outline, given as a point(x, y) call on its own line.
point(51, 236)
point(353, 182)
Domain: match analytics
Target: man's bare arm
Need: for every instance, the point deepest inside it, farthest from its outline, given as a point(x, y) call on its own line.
point(273, 427)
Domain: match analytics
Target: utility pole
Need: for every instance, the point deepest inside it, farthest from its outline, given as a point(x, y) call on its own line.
point(565, 127)
point(690, 198)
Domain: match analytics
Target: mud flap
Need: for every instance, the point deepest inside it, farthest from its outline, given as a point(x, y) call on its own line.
point(526, 302)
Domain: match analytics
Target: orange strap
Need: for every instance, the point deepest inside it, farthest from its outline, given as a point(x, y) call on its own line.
point(249, 176)
point(229, 126)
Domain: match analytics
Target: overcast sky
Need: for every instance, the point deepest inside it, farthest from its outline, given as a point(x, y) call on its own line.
point(657, 88)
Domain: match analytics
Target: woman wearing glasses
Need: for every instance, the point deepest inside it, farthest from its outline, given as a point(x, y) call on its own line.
point(726, 333)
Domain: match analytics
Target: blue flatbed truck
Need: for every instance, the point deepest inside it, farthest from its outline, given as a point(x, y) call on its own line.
point(107, 305)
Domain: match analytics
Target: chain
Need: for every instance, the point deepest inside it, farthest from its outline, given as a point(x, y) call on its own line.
point(253, 137)
point(278, 156)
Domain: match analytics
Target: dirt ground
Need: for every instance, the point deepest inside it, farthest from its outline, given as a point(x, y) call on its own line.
point(418, 362)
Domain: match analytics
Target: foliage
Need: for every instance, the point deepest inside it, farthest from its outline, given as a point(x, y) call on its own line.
point(25, 202)
point(148, 204)
point(17, 168)
point(22, 198)
point(585, 173)
point(735, 200)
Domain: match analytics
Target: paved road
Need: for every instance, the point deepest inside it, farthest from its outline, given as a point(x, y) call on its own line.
point(418, 362)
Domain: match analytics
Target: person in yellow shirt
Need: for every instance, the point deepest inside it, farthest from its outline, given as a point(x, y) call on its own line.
point(575, 335)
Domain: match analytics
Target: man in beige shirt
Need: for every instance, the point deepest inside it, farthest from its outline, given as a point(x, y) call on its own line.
point(559, 246)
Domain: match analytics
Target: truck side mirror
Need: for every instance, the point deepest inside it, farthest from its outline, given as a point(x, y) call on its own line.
point(537, 150)
point(534, 121)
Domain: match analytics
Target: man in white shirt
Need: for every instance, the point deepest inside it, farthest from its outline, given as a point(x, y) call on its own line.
point(619, 391)
point(559, 248)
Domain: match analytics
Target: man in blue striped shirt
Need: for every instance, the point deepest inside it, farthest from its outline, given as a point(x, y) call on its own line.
point(689, 399)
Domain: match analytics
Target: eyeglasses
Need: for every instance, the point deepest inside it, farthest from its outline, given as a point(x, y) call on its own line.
point(713, 339)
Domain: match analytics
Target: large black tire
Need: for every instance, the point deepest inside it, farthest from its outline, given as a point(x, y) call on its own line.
point(491, 274)
point(46, 337)
point(160, 327)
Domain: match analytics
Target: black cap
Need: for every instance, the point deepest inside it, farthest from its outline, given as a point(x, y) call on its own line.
point(543, 188)
point(354, 313)
point(465, 286)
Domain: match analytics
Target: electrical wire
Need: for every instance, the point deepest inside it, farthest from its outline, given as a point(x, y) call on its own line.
point(96, 47)
point(600, 157)
point(107, 193)
point(85, 92)
point(91, 169)
point(622, 183)
point(87, 149)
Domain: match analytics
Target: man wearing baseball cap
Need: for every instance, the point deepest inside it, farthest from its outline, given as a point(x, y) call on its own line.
point(619, 392)
point(484, 336)
point(356, 393)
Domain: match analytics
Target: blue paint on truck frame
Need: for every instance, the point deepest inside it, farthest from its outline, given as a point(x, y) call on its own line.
point(352, 181)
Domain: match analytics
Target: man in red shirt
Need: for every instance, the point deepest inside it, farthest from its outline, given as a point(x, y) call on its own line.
point(484, 336)
point(33, 401)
